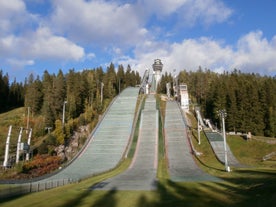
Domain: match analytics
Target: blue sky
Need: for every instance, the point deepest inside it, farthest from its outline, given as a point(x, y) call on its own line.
point(38, 35)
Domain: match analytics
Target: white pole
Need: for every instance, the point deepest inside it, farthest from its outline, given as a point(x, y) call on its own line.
point(18, 145)
point(29, 144)
point(198, 131)
point(198, 126)
point(28, 120)
point(223, 115)
point(119, 85)
point(5, 164)
point(63, 114)
point(102, 85)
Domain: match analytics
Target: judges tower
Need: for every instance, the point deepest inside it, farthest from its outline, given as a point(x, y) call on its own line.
point(157, 69)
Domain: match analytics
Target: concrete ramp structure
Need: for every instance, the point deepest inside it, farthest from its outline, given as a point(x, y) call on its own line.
point(107, 143)
point(216, 140)
point(217, 143)
point(141, 175)
point(181, 164)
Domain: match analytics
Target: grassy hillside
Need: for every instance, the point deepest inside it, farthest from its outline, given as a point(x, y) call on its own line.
point(16, 118)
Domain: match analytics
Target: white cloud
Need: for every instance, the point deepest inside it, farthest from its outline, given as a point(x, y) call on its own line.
point(90, 56)
point(189, 12)
point(253, 53)
point(256, 53)
point(161, 7)
point(23, 41)
point(206, 12)
point(14, 17)
point(40, 44)
point(16, 63)
point(10, 13)
point(45, 45)
point(98, 22)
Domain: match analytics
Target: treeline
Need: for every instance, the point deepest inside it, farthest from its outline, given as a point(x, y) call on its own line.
point(11, 95)
point(85, 95)
point(249, 99)
point(78, 91)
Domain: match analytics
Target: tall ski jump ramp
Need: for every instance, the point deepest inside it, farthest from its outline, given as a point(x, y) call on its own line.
point(181, 164)
point(108, 142)
point(141, 175)
point(105, 146)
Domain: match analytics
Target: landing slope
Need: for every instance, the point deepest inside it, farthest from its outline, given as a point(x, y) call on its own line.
point(182, 166)
point(141, 175)
point(108, 142)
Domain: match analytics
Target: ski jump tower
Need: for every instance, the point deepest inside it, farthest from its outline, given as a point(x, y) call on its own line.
point(157, 69)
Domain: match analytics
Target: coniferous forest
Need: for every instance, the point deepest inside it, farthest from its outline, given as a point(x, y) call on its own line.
point(249, 99)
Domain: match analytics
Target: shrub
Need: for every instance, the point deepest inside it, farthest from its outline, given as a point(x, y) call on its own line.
point(41, 164)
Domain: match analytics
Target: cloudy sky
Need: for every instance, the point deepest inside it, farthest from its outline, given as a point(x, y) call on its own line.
point(220, 35)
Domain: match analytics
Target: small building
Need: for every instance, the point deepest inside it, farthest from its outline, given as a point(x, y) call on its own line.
point(183, 96)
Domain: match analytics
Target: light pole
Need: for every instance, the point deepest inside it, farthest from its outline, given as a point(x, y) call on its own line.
point(28, 120)
point(199, 127)
point(102, 85)
point(48, 129)
point(223, 115)
point(198, 130)
point(63, 114)
point(119, 85)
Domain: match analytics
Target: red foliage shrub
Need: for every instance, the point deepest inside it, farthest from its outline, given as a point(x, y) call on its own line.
point(41, 164)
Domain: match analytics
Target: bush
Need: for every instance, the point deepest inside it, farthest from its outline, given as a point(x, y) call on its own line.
point(51, 140)
point(43, 148)
point(41, 164)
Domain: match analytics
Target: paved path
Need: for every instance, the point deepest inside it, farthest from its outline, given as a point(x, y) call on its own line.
point(182, 166)
point(141, 175)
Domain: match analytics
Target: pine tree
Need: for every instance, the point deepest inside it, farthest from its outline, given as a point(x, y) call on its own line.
point(4, 91)
point(110, 82)
point(121, 79)
point(59, 132)
point(34, 95)
point(47, 110)
point(58, 94)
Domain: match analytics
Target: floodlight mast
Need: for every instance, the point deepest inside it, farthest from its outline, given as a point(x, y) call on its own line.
point(223, 114)
point(102, 85)
point(198, 131)
point(63, 113)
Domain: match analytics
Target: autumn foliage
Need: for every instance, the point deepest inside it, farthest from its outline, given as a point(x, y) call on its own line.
point(41, 164)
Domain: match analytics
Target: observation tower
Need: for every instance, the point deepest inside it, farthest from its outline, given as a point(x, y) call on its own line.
point(157, 69)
